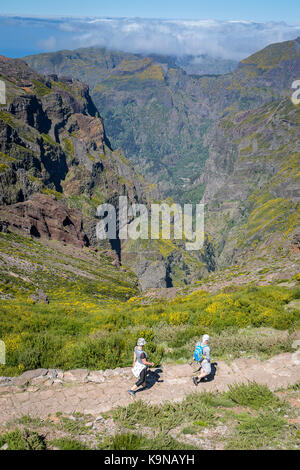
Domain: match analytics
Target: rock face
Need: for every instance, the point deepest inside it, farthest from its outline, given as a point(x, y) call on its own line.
point(77, 375)
point(57, 166)
point(40, 297)
point(253, 202)
point(296, 243)
point(241, 158)
point(52, 138)
point(44, 217)
point(231, 141)
point(160, 116)
point(152, 273)
point(28, 376)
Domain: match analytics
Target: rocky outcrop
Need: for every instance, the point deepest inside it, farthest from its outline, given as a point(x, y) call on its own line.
point(40, 297)
point(152, 273)
point(44, 217)
point(48, 377)
point(296, 243)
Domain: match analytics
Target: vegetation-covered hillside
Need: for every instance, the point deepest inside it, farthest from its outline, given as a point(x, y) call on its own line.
point(68, 301)
point(160, 116)
point(58, 166)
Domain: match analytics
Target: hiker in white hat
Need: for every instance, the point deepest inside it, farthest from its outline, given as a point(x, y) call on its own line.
point(202, 355)
point(140, 366)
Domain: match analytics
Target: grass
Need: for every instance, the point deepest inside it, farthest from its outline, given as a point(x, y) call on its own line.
point(295, 387)
point(167, 416)
point(22, 440)
point(255, 432)
point(190, 430)
point(260, 422)
point(253, 395)
point(68, 444)
point(131, 441)
point(29, 421)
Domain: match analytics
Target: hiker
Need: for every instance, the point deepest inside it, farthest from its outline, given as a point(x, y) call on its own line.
point(140, 366)
point(202, 355)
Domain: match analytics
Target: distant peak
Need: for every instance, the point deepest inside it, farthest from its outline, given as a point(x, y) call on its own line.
point(273, 54)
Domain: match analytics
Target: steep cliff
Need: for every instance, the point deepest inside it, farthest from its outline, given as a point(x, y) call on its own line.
point(160, 116)
point(230, 140)
point(53, 143)
point(252, 184)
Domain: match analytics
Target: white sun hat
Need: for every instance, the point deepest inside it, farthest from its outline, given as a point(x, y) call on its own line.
point(141, 342)
point(205, 338)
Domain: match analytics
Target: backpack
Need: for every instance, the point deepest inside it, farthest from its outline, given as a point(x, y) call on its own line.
point(198, 353)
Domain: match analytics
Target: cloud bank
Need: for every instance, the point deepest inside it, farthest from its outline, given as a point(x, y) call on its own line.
point(219, 39)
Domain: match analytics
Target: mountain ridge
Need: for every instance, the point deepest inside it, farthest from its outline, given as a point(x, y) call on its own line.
point(159, 115)
point(53, 141)
point(240, 130)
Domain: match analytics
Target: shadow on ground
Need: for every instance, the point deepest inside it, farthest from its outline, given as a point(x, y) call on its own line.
point(153, 377)
point(211, 376)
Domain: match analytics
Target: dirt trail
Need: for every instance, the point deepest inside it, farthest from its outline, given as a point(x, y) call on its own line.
point(170, 383)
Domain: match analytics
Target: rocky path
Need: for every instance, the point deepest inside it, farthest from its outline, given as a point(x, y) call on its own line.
point(42, 393)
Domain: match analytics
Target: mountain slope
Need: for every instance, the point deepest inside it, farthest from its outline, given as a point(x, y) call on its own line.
point(53, 143)
point(160, 116)
point(146, 108)
point(253, 204)
point(227, 139)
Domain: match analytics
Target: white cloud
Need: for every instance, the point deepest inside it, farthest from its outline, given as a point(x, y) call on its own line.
point(224, 39)
point(48, 44)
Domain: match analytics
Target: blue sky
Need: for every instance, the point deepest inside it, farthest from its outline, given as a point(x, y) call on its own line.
point(255, 10)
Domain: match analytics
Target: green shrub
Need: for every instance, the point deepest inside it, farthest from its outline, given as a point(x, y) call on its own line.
point(252, 394)
point(296, 386)
point(127, 441)
point(167, 416)
point(131, 441)
point(68, 444)
point(22, 440)
point(255, 432)
point(190, 430)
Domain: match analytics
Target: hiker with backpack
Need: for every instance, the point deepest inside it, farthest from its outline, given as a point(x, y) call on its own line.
point(202, 357)
point(140, 366)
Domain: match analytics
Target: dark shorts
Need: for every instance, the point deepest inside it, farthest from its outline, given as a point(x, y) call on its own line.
point(142, 378)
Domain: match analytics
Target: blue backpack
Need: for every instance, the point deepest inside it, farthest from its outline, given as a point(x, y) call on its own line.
point(198, 353)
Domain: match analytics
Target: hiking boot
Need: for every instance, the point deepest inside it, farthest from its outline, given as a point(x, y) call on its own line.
point(131, 392)
point(195, 380)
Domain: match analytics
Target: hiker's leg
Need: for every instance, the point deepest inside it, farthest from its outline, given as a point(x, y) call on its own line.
point(199, 377)
point(202, 375)
point(139, 383)
point(205, 369)
point(142, 379)
point(196, 378)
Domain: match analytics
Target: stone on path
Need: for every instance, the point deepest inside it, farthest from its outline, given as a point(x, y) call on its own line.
point(76, 375)
point(28, 376)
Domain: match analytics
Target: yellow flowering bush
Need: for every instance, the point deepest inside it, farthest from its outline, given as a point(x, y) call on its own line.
point(178, 318)
point(12, 342)
point(82, 327)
